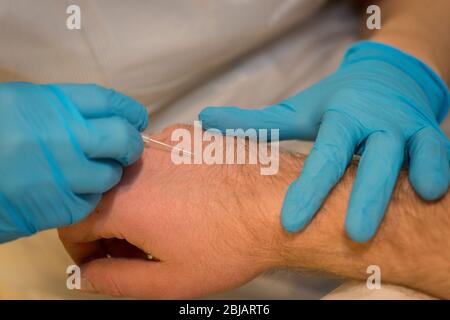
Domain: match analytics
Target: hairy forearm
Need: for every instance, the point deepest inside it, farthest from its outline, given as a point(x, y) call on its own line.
point(415, 26)
point(214, 227)
point(411, 246)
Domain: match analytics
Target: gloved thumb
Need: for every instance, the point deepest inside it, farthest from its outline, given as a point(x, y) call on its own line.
point(291, 121)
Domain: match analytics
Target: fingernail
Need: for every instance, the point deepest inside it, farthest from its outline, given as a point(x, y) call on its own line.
point(86, 285)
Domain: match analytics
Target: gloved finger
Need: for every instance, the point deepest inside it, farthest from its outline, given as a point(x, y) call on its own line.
point(429, 171)
point(93, 176)
point(292, 123)
point(83, 239)
point(149, 279)
point(377, 173)
point(94, 101)
point(86, 204)
point(338, 135)
point(111, 138)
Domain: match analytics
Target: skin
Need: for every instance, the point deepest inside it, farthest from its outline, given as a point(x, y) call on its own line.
point(212, 228)
point(215, 227)
point(357, 109)
point(417, 27)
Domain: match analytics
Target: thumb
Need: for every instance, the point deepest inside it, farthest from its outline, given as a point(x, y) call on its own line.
point(293, 123)
point(137, 278)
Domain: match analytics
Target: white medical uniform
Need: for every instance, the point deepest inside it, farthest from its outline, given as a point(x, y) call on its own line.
point(151, 50)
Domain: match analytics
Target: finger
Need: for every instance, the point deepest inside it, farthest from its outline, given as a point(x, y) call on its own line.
point(85, 251)
point(429, 171)
point(94, 101)
point(111, 138)
point(323, 168)
point(92, 176)
point(293, 123)
point(83, 239)
point(81, 249)
point(377, 174)
point(135, 278)
point(61, 215)
point(92, 228)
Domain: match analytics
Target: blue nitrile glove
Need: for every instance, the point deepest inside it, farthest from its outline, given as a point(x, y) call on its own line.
point(382, 103)
point(61, 147)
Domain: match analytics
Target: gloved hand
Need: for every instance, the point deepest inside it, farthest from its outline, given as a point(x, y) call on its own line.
point(381, 103)
point(61, 147)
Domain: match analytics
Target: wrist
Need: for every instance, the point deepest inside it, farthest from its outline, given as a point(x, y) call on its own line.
point(307, 249)
point(286, 250)
point(416, 28)
point(421, 49)
point(399, 66)
point(323, 244)
point(401, 247)
point(323, 237)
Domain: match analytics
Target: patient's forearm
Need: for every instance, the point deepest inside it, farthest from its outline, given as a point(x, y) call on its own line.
point(411, 247)
point(215, 227)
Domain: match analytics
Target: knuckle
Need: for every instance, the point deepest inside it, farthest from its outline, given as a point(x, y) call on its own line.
point(112, 285)
point(344, 94)
point(124, 133)
point(117, 100)
point(333, 154)
point(330, 150)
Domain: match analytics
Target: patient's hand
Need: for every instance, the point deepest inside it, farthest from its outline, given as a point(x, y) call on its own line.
point(192, 218)
point(214, 227)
